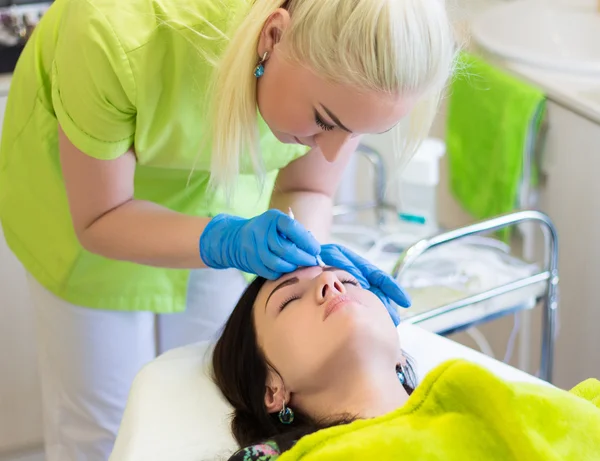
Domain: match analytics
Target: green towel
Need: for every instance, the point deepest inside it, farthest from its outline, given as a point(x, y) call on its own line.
point(461, 412)
point(493, 121)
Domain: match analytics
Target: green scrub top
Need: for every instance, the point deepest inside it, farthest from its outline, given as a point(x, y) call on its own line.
point(115, 74)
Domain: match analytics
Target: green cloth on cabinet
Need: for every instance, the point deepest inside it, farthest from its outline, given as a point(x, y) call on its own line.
point(493, 122)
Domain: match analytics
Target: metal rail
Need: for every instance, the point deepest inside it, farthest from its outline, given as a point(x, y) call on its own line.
point(549, 274)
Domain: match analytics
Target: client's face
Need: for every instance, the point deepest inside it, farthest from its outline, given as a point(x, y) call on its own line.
point(314, 324)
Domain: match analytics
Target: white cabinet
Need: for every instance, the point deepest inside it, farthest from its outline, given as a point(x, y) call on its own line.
point(569, 195)
point(20, 396)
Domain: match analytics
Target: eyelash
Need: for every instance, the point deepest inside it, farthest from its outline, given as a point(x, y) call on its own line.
point(295, 297)
point(321, 124)
point(350, 281)
point(287, 301)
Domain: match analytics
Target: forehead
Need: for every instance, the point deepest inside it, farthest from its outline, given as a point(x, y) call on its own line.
point(306, 273)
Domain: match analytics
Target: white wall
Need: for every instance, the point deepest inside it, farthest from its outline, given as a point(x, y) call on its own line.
point(20, 396)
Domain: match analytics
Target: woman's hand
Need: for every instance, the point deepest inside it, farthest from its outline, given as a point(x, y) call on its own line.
point(268, 245)
point(369, 276)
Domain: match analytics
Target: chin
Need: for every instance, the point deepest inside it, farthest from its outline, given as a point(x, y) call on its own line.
point(284, 138)
point(355, 318)
point(363, 321)
point(289, 139)
point(359, 339)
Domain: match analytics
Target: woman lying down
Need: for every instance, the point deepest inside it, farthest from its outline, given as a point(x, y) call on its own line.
point(313, 367)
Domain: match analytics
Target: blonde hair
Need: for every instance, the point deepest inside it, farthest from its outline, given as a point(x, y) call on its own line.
point(389, 46)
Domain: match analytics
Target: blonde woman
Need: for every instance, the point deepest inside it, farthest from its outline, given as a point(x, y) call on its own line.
point(144, 138)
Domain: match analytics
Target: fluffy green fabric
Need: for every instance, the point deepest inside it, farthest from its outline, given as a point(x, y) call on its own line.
point(492, 117)
point(461, 412)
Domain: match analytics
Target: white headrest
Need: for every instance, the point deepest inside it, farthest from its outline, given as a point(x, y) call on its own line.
point(176, 413)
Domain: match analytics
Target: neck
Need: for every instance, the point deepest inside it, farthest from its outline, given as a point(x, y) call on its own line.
point(363, 394)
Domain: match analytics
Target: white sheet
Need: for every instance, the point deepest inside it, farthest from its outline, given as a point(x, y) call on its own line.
point(175, 413)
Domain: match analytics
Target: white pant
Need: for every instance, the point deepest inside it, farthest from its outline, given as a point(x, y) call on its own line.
point(88, 358)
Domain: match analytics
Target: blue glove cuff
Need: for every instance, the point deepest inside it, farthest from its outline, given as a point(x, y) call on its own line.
point(214, 243)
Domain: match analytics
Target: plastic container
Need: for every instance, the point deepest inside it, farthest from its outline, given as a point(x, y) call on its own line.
point(417, 189)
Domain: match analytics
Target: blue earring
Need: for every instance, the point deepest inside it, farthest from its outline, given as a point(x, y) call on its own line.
point(286, 415)
point(259, 70)
point(401, 376)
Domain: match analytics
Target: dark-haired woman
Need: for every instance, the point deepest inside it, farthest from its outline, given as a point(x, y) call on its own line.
point(313, 350)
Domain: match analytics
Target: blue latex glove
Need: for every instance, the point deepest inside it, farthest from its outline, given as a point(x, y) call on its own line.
point(369, 276)
point(268, 245)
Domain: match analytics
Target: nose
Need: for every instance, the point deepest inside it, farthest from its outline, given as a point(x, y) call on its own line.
point(328, 286)
point(332, 143)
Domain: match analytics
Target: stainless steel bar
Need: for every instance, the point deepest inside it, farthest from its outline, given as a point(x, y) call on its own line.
point(378, 205)
point(488, 226)
point(550, 262)
point(480, 297)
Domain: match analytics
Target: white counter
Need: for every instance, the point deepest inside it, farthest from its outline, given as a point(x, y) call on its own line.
point(579, 94)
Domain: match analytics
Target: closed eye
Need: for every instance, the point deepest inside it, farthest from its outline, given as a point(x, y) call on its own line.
point(350, 281)
point(322, 124)
point(295, 297)
point(287, 301)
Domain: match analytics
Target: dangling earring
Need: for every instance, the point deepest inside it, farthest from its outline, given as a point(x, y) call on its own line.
point(259, 70)
point(286, 415)
point(400, 374)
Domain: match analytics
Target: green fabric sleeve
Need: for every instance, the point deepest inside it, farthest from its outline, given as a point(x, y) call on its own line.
point(93, 89)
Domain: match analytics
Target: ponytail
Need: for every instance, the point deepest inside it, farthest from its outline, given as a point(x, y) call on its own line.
point(234, 121)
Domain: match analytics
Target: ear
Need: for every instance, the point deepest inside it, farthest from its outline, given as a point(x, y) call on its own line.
point(275, 393)
point(272, 31)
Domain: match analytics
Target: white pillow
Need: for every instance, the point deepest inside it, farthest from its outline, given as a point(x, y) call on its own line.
point(176, 413)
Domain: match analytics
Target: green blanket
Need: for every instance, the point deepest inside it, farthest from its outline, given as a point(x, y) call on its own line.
point(463, 412)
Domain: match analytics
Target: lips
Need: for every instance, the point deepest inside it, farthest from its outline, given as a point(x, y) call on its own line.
point(335, 304)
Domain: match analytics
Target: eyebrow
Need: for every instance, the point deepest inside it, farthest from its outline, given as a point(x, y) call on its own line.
point(293, 281)
point(336, 120)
